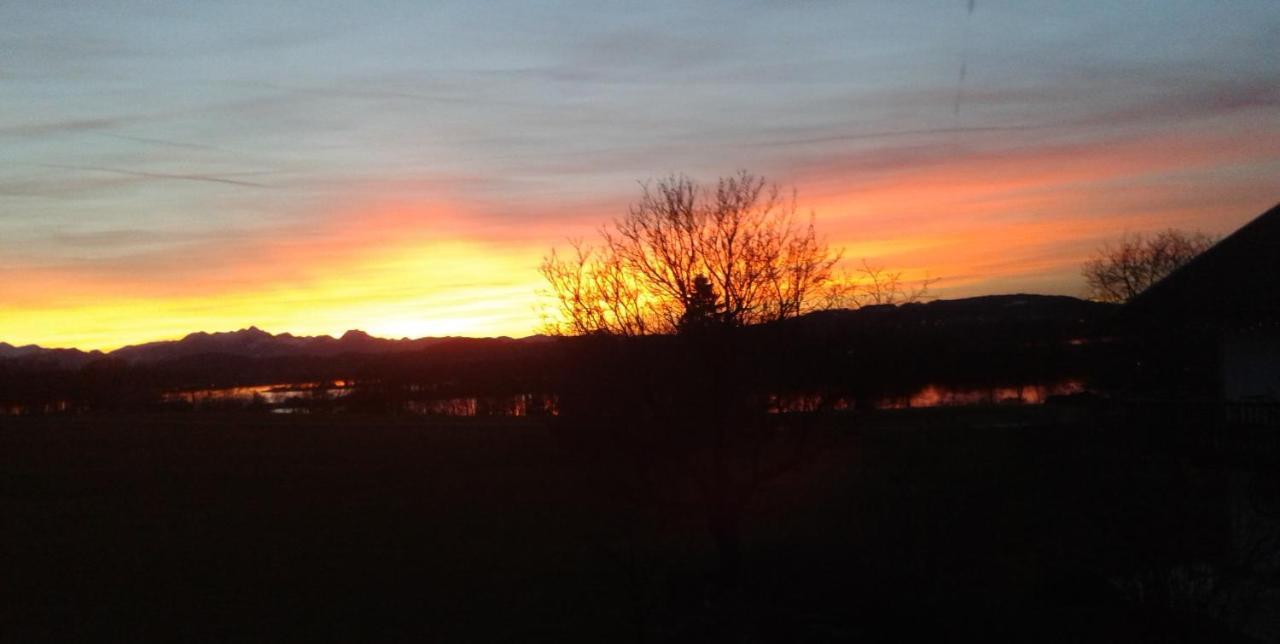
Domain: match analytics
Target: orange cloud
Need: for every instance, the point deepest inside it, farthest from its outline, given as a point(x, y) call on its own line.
point(984, 220)
point(992, 220)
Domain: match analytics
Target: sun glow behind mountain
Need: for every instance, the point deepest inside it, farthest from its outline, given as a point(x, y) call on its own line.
point(383, 275)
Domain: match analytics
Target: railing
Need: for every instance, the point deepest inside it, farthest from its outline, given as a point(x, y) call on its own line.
point(1252, 414)
point(1212, 432)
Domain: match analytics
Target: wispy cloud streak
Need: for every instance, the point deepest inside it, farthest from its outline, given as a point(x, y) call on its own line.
point(160, 175)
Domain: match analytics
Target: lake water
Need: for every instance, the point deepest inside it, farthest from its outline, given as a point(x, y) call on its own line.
point(941, 396)
point(290, 398)
point(936, 396)
point(306, 397)
point(287, 394)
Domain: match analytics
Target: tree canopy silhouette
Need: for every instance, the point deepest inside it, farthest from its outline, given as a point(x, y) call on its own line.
point(684, 415)
point(1119, 272)
point(686, 255)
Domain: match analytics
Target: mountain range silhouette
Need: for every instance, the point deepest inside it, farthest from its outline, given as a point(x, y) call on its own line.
point(253, 342)
point(249, 343)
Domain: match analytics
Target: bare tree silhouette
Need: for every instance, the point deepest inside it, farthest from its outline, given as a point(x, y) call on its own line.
point(873, 285)
point(740, 240)
point(1119, 272)
point(672, 398)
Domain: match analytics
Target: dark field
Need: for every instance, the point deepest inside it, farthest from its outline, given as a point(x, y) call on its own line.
point(1010, 524)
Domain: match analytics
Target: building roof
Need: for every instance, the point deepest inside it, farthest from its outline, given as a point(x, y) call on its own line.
point(1233, 284)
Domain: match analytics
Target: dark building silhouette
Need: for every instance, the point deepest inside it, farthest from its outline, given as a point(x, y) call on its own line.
point(1204, 351)
point(1211, 329)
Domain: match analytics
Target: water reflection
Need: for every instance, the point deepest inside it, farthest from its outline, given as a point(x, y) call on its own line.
point(56, 407)
point(339, 395)
point(800, 403)
point(296, 398)
point(517, 406)
point(941, 396)
point(278, 395)
point(933, 395)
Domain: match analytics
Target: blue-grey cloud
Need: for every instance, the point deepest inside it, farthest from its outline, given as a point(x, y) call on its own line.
point(162, 175)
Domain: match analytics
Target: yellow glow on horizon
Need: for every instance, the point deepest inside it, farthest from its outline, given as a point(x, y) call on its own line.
point(447, 288)
point(1023, 220)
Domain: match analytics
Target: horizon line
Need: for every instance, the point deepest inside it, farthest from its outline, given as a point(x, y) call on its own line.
point(254, 327)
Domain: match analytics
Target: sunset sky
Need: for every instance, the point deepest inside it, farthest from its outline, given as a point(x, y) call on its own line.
point(401, 167)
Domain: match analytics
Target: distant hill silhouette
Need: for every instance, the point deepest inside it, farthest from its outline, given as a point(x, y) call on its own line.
point(991, 310)
point(244, 343)
point(33, 356)
point(256, 343)
point(1020, 308)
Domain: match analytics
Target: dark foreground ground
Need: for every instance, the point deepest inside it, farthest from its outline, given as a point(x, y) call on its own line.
point(1007, 524)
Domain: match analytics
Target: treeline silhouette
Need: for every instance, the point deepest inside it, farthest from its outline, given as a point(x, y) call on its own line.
point(863, 355)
